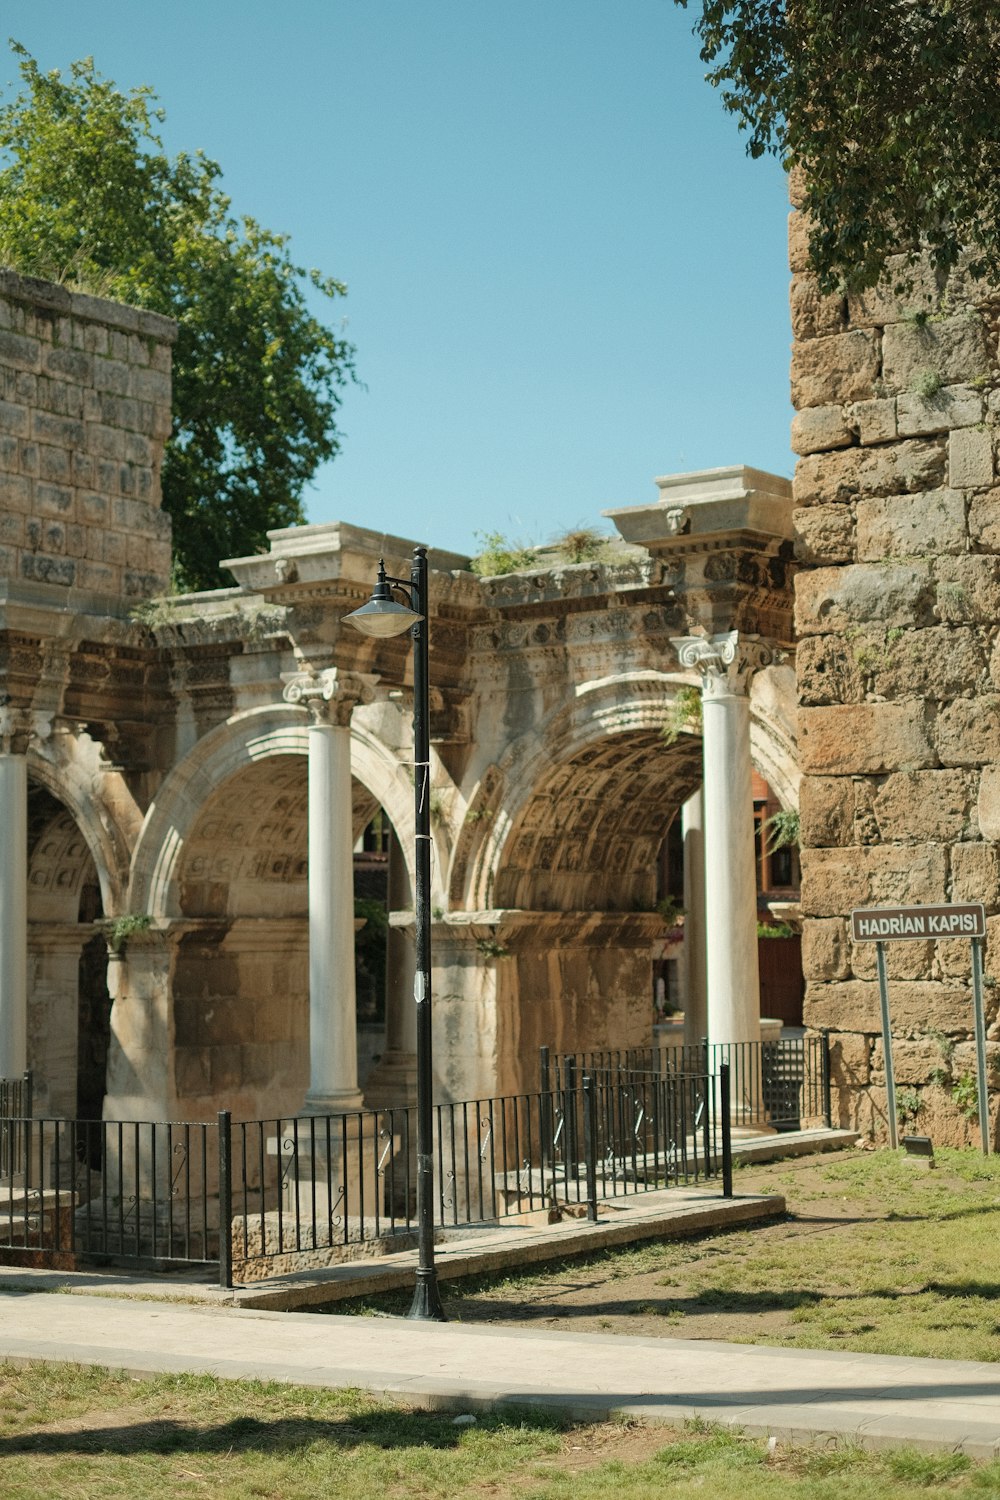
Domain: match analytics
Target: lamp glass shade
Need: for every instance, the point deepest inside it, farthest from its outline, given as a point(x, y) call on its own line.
point(383, 617)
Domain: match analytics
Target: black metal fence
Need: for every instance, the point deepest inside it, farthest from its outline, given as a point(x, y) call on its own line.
point(784, 1084)
point(15, 1107)
point(134, 1191)
point(261, 1197)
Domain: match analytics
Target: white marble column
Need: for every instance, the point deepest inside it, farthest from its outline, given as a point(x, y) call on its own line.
point(13, 914)
point(726, 664)
point(695, 993)
point(330, 697)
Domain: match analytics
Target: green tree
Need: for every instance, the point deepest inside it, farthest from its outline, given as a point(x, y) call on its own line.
point(890, 110)
point(88, 197)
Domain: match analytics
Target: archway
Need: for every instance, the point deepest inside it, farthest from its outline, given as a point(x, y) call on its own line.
point(68, 1003)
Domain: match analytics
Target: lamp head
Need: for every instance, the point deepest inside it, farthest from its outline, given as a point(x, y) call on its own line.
point(382, 616)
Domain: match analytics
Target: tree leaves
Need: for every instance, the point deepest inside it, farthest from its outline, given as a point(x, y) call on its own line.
point(890, 111)
point(88, 197)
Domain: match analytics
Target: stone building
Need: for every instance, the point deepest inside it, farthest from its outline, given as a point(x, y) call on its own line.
point(172, 769)
point(898, 625)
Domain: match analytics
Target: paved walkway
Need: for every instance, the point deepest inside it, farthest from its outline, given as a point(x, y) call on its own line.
point(789, 1393)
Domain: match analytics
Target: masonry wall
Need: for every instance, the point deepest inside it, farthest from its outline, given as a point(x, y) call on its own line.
point(898, 616)
point(84, 414)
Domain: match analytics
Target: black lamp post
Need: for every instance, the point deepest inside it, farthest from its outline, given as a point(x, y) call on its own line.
point(381, 617)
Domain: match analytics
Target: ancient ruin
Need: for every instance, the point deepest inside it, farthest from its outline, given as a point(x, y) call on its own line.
point(163, 760)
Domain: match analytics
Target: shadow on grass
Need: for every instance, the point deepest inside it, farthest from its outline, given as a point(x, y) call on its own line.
point(283, 1437)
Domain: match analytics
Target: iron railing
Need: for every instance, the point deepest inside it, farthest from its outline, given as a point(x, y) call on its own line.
point(134, 1191)
point(15, 1107)
point(784, 1084)
point(261, 1197)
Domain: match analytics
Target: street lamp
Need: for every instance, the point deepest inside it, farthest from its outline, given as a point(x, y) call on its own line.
point(382, 616)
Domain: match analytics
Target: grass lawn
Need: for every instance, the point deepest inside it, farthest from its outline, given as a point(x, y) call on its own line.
point(87, 1435)
point(878, 1254)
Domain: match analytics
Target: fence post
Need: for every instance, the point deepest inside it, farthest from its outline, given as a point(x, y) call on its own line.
point(569, 1117)
point(825, 1066)
point(727, 1132)
point(225, 1199)
point(545, 1119)
point(590, 1144)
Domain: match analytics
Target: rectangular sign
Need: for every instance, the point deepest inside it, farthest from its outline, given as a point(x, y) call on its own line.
point(893, 924)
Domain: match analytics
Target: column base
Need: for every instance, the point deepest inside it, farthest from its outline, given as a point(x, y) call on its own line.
point(392, 1083)
point(347, 1102)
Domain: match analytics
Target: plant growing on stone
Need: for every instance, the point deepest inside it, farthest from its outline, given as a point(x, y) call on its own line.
point(908, 1104)
point(775, 930)
point(669, 910)
point(500, 555)
point(88, 197)
point(490, 948)
point(120, 929)
point(965, 1094)
point(581, 544)
point(782, 829)
point(927, 383)
point(683, 715)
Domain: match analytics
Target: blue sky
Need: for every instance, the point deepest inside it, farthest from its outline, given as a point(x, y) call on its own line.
point(565, 276)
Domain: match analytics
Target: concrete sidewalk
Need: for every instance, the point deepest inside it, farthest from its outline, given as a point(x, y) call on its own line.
point(793, 1394)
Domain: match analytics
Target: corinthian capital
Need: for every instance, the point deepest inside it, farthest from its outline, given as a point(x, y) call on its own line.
point(726, 663)
point(331, 695)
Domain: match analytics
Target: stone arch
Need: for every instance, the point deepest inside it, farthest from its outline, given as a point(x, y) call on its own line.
point(67, 777)
point(263, 752)
point(519, 814)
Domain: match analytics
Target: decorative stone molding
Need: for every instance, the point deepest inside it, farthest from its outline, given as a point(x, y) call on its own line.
point(726, 663)
point(331, 696)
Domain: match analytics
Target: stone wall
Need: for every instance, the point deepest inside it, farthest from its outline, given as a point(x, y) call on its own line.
point(897, 426)
point(84, 414)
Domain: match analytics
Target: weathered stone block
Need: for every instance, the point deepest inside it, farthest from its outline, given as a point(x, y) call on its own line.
point(970, 458)
point(953, 350)
point(20, 353)
point(914, 806)
point(817, 428)
point(826, 812)
point(36, 567)
point(865, 739)
point(989, 802)
point(951, 406)
point(850, 1059)
point(942, 662)
point(105, 442)
point(840, 367)
point(911, 525)
point(824, 534)
point(14, 419)
point(848, 1005)
point(903, 960)
point(975, 873)
point(896, 469)
point(829, 670)
point(968, 589)
point(111, 375)
point(826, 950)
point(53, 499)
point(835, 881)
point(798, 242)
point(984, 521)
point(839, 599)
point(876, 420)
point(814, 314)
point(968, 731)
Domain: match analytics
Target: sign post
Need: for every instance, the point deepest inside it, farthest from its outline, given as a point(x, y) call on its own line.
point(889, 924)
